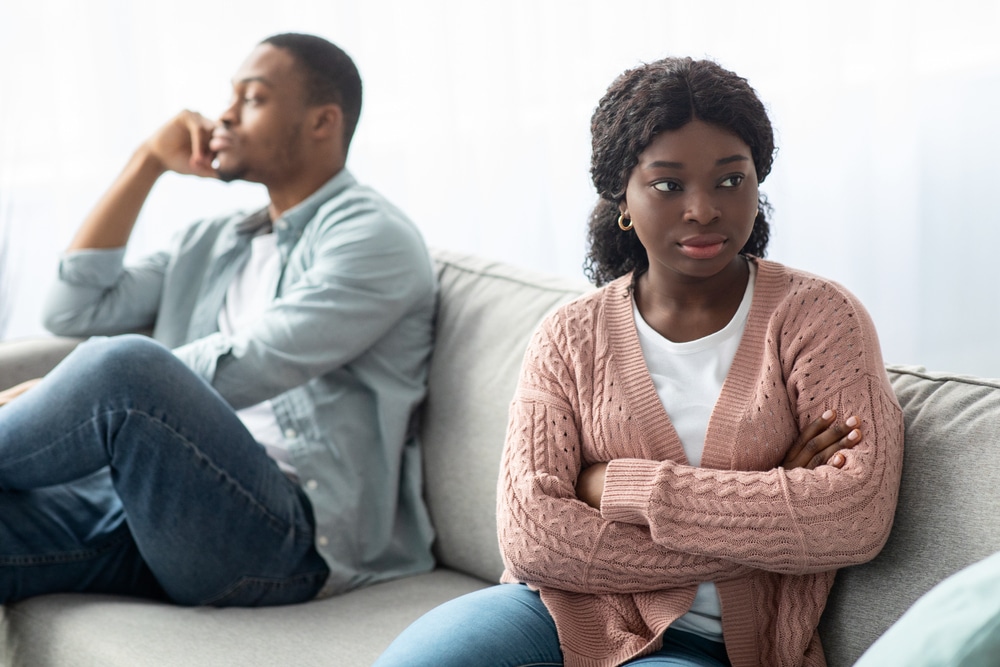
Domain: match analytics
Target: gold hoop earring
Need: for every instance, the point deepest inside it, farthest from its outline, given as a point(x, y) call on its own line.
point(622, 225)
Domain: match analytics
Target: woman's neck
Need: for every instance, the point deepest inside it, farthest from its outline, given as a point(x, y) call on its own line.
point(683, 309)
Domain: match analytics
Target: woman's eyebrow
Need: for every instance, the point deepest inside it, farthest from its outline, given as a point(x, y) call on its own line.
point(663, 164)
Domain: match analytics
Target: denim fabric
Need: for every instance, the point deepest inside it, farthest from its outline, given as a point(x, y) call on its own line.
point(508, 626)
point(123, 472)
point(341, 353)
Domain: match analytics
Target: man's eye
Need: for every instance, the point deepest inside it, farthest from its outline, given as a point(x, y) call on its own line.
point(667, 186)
point(731, 181)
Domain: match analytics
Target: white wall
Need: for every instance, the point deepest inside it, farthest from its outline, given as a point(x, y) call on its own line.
point(476, 122)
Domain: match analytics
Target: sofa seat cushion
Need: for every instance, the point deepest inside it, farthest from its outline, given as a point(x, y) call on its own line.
point(104, 631)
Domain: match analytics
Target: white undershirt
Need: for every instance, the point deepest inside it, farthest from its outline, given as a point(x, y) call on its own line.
point(251, 292)
point(688, 378)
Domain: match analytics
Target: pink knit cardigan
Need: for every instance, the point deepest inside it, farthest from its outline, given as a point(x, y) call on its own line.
point(770, 538)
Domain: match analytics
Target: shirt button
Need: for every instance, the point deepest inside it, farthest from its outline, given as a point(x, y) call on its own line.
point(323, 541)
point(281, 224)
point(290, 433)
point(312, 484)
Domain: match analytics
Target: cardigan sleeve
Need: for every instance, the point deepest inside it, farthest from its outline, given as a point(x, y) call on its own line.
point(548, 537)
point(787, 521)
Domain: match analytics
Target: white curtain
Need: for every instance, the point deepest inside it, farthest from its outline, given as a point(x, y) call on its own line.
point(476, 122)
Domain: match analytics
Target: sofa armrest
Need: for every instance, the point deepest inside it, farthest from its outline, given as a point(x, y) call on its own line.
point(28, 358)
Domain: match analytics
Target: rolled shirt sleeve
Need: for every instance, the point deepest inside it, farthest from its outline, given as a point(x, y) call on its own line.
point(97, 295)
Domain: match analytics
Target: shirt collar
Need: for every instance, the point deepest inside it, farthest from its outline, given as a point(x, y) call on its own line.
point(295, 218)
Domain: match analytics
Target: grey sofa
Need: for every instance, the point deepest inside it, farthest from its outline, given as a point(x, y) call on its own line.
point(947, 516)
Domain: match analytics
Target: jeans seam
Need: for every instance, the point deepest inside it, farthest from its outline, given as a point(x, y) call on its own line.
point(66, 556)
point(278, 522)
point(70, 433)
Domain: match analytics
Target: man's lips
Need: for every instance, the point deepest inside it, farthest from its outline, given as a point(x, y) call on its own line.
point(703, 246)
point(219, 142)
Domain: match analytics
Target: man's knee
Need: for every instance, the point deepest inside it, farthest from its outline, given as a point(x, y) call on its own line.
point(126, 356)
point(126, 346)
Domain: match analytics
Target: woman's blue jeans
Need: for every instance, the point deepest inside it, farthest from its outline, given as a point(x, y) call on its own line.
point(508, 626)
point(123, 472)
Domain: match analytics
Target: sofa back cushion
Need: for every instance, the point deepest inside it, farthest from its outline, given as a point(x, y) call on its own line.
point(487, 312)
point(947, 517)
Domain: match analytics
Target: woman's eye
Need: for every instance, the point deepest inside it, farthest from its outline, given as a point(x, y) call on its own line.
point(667, 186)
point(731, 181)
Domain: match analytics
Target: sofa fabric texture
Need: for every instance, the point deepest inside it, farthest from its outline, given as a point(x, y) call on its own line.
point(956, 623)
point(945, 518)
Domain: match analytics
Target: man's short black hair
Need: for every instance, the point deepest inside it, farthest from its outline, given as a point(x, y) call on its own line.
point(330, 75)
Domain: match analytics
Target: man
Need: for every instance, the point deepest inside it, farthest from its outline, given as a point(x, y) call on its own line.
point(261, 452)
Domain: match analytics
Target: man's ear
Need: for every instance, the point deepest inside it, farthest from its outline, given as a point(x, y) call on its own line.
point(328, 121)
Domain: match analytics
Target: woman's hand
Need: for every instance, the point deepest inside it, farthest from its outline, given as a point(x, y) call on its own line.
point(821, 442)
point(8, 395)
point(590, 484)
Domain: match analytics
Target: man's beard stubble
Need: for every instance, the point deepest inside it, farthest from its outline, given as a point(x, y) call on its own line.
point(229, 176)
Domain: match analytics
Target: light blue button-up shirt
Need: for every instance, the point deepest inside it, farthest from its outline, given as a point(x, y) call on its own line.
point(341, 352)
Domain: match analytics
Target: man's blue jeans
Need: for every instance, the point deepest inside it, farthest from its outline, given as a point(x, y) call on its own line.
point(123, 472)
point(508, 626)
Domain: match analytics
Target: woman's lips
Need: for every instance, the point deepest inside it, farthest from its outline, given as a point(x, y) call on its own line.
point(705, 246)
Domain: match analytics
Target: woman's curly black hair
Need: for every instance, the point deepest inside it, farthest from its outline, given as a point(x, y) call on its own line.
point(642, 102)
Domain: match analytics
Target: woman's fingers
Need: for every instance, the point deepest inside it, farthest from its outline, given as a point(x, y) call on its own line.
point(834, 454)
point(822, 442)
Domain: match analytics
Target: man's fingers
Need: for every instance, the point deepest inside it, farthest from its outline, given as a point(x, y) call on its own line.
point(200, 130)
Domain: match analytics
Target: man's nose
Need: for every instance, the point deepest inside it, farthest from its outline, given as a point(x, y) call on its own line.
point(229, 115)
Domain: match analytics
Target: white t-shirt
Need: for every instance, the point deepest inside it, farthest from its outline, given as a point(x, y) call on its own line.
point(688, 378)
point(251, 292)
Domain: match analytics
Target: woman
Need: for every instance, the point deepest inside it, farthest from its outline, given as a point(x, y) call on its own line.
point(684, 469)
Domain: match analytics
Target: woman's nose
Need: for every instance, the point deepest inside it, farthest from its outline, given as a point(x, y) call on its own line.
point(701, 208)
